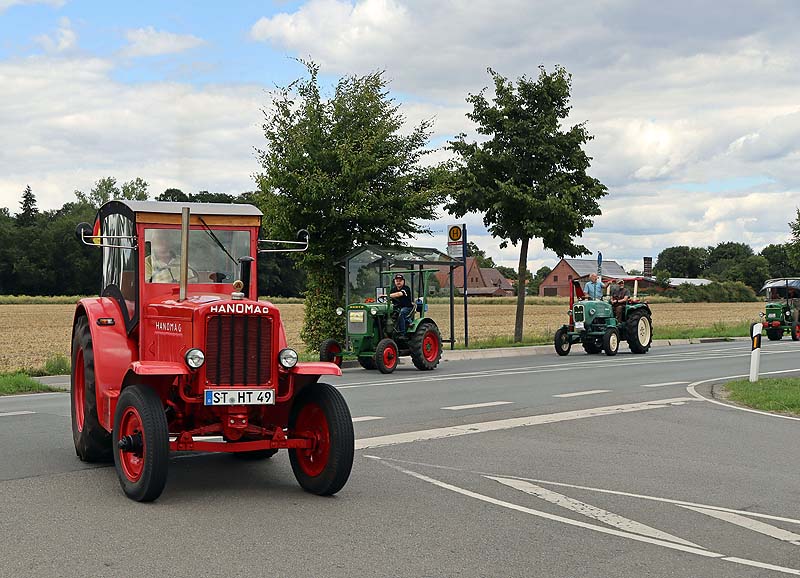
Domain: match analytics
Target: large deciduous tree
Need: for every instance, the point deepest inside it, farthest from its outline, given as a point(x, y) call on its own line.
point(528, 178)
point(345, 169)
point(682, 261)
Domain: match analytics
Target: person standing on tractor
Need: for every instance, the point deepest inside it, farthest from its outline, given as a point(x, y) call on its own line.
point(619, 297)
point(401, 297)
point(594, 287)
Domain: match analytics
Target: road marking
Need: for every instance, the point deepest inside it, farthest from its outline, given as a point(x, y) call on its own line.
point(667, 383)
point(366, 418)
point(474, 405)
point(590, 511)
point(754, 525)
point(691, 389)
point(593, 527)
point(503, 424)
point(587, 392)
point(10, 413)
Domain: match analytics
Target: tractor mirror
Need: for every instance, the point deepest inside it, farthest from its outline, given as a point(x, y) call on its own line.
point(82, 231)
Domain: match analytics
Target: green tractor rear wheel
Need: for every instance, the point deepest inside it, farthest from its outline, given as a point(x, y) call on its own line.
point(331, 351)
point(639, 329)
point(592, 346)
point(426, 346)
point(367, 362)
point(774, 333)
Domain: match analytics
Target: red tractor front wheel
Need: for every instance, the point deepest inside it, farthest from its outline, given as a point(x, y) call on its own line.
point(141, 443)
point(321, 414)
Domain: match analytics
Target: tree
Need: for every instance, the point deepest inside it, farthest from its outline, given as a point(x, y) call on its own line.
point(29, 212)
point(480, 255)
point(174, 196)
point(682, 261)
point(543, 272)
point(529, 178)
point(779, 261)
point(752, 271)
point(346, 170)
point(728, 251)
point(106, 189)
point(135, 190)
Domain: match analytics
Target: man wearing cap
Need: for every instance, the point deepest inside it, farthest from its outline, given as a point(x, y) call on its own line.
point(401, 297)
point(619, 297)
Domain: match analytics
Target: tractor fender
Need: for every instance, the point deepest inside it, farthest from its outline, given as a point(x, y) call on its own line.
point(419, 322)
point(114, 351)
point(316, 368)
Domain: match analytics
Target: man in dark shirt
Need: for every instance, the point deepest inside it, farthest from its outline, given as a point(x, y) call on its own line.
point(401, 297)
point(619, 297)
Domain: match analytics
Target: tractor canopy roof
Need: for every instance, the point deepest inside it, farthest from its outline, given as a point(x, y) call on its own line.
point(393, 257)
point(782, 283)
point(168, 212)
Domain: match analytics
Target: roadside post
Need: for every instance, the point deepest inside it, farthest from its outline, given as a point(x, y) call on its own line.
point(457, 248)
point(755, 353)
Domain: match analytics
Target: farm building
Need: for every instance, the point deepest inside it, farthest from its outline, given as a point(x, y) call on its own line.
point(481, 281)
point(556, 284)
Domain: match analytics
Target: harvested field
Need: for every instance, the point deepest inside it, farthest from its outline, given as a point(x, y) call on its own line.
point(29, 334)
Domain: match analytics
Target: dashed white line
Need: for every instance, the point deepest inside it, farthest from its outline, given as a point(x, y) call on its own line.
point(667, 383)
point(10, 413)
point(476, 405)
point(587, 392)
point(366, 418)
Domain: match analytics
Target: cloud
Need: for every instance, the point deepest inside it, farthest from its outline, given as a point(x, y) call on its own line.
point(5, 4)
point(151, 42)
point(64, 41)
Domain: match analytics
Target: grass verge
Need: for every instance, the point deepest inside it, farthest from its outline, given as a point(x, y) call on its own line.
point(781, 395)
point(11, 383)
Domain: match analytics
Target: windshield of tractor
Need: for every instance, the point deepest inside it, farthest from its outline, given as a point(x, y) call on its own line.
point(364, 277)
point(213, 258)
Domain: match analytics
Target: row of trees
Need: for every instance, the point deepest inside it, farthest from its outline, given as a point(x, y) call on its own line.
point(731, 261)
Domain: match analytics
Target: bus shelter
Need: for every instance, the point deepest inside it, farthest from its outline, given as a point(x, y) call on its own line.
point(366, 266)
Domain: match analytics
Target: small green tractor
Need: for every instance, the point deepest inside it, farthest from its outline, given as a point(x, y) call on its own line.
point(592, 324)
point(372, 328)
point(783, 300)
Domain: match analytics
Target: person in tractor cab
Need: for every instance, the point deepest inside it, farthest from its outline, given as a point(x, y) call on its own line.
point(163, 263)
point(619, 297)
point(594, 287)
point(401, 298)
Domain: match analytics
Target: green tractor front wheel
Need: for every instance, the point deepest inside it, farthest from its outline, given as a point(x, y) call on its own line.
point(562, 342)
point(611, 341)
point(386, 355)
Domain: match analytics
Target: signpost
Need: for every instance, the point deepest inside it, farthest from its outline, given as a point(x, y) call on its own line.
point(457, 249)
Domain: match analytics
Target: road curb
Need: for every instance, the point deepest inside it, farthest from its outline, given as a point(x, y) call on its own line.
point(62, 381)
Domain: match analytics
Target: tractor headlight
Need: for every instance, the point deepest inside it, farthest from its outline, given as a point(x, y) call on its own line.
point(287, 358)
point(339, 311)
point(373, 311)
point(194, 358)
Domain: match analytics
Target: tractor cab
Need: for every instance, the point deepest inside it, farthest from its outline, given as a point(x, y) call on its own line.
point(783, 301)
point(178, 348)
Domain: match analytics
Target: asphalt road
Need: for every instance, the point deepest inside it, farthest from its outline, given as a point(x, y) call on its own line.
point(576, 466)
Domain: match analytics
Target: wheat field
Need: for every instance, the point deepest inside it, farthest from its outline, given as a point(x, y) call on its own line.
point(29, 334)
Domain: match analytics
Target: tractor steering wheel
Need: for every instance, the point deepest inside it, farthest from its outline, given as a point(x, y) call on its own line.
point(382, 298)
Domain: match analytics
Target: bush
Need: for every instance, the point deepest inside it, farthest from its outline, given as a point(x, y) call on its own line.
point(725, 292)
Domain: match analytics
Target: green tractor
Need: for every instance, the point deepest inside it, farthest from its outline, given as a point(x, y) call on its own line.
point(782, 303)
point(372, 332)
point(592, 324)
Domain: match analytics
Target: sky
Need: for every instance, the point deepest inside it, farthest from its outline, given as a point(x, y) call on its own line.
point(694, 106)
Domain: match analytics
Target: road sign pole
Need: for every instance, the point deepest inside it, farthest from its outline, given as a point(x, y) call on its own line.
point(755, 353)
point(466, 323)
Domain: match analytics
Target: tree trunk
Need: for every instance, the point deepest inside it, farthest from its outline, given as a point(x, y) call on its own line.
point(523, 274)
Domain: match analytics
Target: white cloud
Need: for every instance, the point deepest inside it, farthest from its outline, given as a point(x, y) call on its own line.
point(65, 38)
point(6, 4)
point(151, 42)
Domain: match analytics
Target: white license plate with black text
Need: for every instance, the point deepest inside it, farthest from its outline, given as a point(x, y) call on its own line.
point(579, 326)
point(239, 397)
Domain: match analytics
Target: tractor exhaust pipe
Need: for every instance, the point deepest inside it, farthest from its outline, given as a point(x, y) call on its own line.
point(184, 253)
point(246, 271)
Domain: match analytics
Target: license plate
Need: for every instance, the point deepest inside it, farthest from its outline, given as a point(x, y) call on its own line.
point(357, 316)
point(771, 316)
point(579, 326)
point(239, 397)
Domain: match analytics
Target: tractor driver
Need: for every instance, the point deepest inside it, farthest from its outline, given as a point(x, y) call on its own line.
point(401, 297)
point(619, 297)
point(162, 265)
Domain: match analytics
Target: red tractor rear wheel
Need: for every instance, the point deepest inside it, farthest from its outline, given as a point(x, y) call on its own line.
point(426, 346)
point(92, 441)
point(141, 440)
point(320, 413)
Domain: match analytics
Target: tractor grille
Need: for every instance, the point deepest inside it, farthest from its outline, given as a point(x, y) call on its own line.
point(578, 314)
point(238, 350)
point(357, 322)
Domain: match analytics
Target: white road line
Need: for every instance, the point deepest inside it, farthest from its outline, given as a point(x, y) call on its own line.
point(754, 525)
point(667, 383)
point(366, 418)
point(590, 511)
point(10, 413)
point(587, 392)
point(474, 405)
point(487, 426)
point(593, 527)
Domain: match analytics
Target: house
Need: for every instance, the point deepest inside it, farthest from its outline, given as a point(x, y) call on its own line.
point(557, 282)
point(481, 281)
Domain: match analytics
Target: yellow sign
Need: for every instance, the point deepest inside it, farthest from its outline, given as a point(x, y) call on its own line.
point(454, 233)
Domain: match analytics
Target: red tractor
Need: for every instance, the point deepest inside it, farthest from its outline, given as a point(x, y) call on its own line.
point(177, 354)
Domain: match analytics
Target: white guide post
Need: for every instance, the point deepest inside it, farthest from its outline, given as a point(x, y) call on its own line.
point(755, 354)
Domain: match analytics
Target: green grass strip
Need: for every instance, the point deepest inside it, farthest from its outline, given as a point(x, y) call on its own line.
point(780, 395)
point(11, 383)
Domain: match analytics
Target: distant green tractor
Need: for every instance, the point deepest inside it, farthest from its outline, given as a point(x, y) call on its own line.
point(782, 302)
point(593, 325)
point(372, 329)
